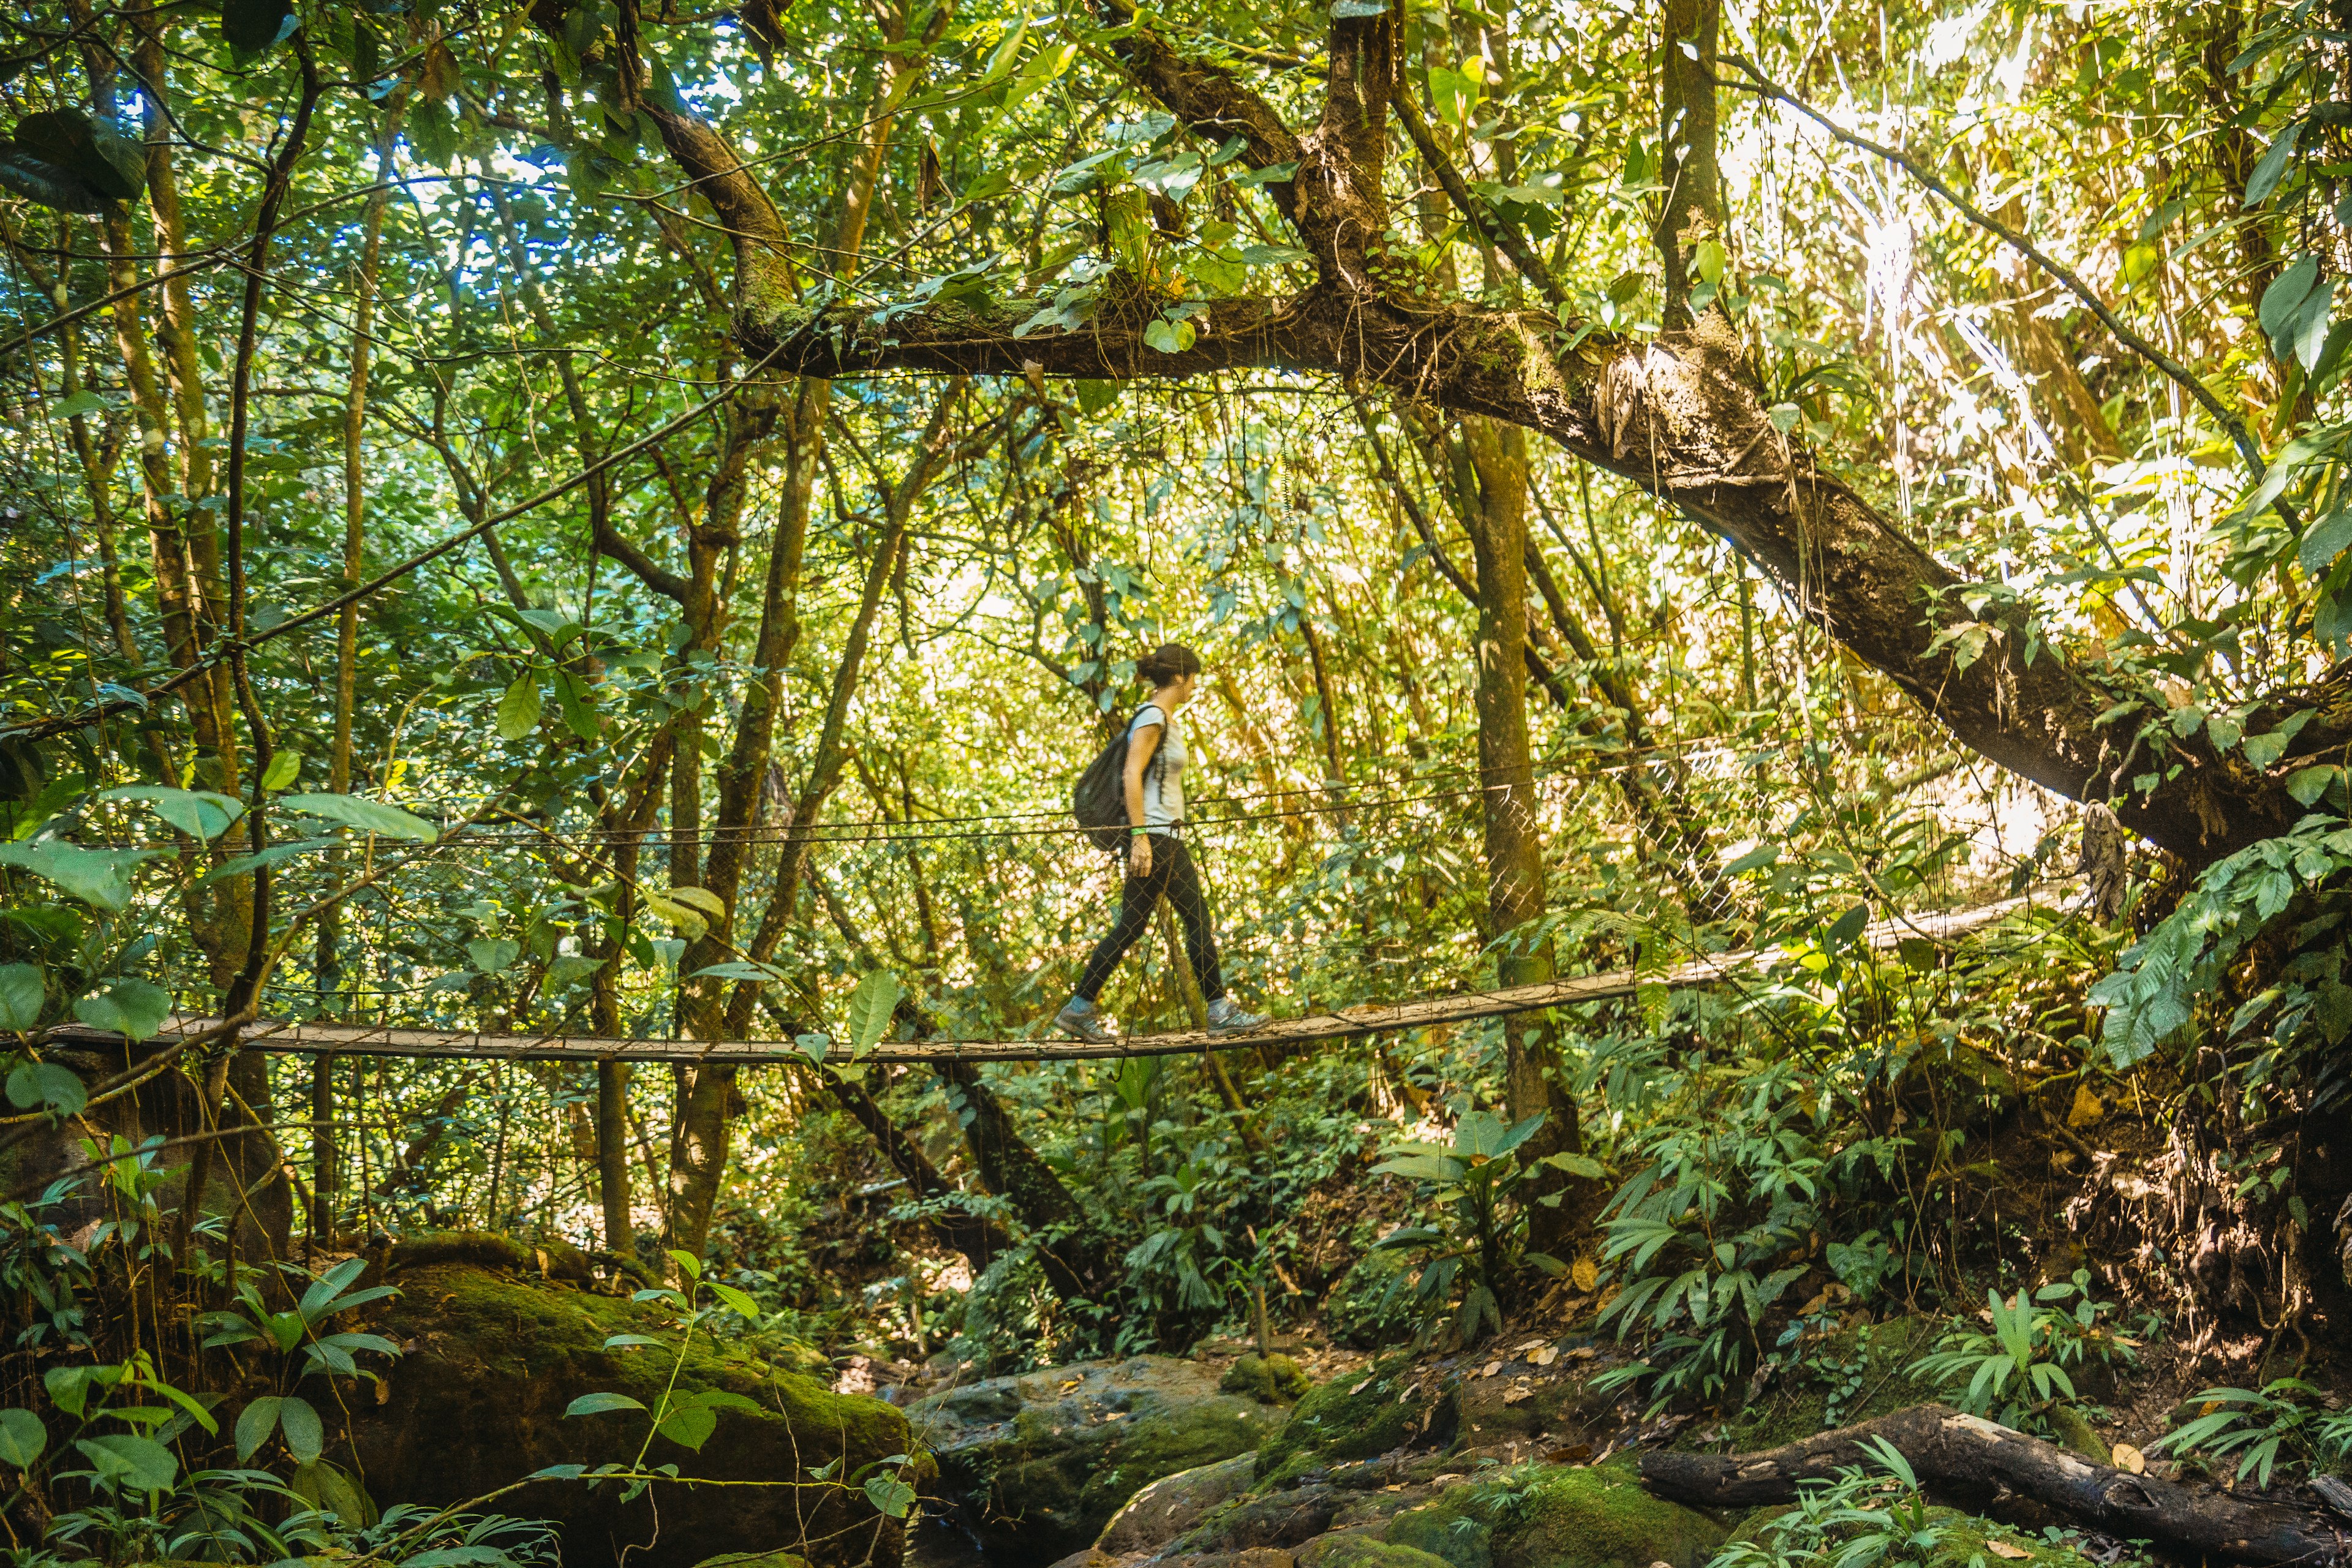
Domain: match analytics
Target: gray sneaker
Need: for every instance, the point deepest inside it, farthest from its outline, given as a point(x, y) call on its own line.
point(1081, 1019)
point(1226, 1017)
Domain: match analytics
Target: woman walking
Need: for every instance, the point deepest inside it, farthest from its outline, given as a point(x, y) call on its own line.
point(1157, 863)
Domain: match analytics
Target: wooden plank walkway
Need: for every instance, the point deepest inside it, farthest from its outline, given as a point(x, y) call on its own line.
point(1370, 1019)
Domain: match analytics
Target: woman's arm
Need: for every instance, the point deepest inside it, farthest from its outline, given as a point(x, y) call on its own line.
point(1141, 744)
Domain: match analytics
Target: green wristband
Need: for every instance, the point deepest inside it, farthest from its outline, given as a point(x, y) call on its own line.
point(1136, 832)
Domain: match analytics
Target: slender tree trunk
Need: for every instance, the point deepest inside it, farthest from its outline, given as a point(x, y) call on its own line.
point(1513, 845)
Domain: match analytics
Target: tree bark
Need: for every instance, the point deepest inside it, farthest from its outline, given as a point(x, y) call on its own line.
point(1513, 840)
point(1970, 1459)
point(1690, 211)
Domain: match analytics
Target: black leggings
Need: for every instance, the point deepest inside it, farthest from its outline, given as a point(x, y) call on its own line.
point(1173, 873)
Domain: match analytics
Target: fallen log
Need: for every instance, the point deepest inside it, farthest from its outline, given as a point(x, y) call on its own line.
point(1964, 1455)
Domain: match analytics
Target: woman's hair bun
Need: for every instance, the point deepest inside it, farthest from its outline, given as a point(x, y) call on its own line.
point(1169, 661)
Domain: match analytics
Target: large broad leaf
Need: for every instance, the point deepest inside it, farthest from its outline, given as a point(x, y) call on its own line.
point(689, 1425)
point(46, 1085)
point(367, 815)
point(305, 1437)
point(871, 1006)
point(107, 163)
point(519, 710)
point(37, 180)
point(889, 1494)
point(22, 1439)
point(140, 1464)
point(1423, 1167)
point(598, 1404)
point(21, 993)
point(491, 954)
point(255, 1423)
point(99, 878)
point(134, 1009)
point(254, 25)
point(198, 813)
point(329, 1491)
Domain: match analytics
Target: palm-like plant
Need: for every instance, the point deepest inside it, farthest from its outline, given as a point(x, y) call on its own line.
point(1482, 1249)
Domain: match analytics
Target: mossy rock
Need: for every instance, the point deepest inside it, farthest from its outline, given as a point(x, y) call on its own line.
point(495, 1357)
point(1873, 1358)
point(1357, 1417)
point(1359, 1312)
point(1965, 1538)
point(1275, 1379)
point(1037, 1464)
point(1359, 1548)
point(1174, 1504)
point(1550, 1516)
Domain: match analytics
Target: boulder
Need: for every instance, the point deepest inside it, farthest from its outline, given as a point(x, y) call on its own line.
point(1269, 1377)
point(1174, 1504)
point(1357, 1417)
point(494, 1354)
point(1551, 1516)
point(1035, 1465)
point(1362, 1548)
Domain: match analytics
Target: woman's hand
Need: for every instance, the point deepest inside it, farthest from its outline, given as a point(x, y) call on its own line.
point(1138, 855)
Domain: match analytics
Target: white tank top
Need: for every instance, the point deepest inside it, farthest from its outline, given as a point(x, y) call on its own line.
point(1164, 776)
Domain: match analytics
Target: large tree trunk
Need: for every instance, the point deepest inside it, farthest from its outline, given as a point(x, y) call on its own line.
point(1972, 1460)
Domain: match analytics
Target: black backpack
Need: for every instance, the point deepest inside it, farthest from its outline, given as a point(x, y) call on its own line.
point(1099, 799)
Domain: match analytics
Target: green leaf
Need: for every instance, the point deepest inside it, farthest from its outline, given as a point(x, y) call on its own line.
point(1847, 927)
point(22, 1439)
point(571, 695)
point(81, 403)
point(305, 1437)
point(892, 1496)
point(571, 970)
point(99, 878)
point(329, 1491)
point(2323, 541)
point(1272, 255)
point(37, 1084)
point(598, 1404)
point(1346, 10)
point(198, 813)
point(689, 1425)
point(870, 1008)
point(741, 1304)
point(2307, 785)
point(252, 26)
point(285, 767)
point(255, 1423)
point(140, 1463)
point(22, 991)
point(2263, 750)
point(133, 1008)
point(2272, 166)
point(1093, 397)
point(491, 954)
point(519, 710)
point(104, 161)
point(2282, 301)
point(367, 815)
